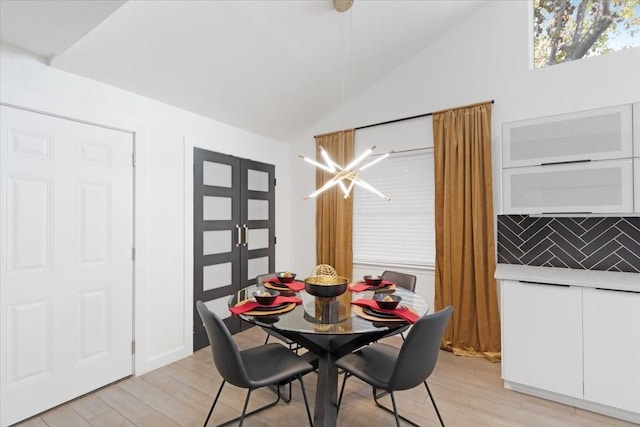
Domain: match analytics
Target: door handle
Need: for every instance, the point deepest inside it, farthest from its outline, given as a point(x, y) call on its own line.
point(238, 235)
point(246, 235)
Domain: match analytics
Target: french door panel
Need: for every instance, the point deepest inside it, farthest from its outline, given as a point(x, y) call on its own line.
point(257, 196)
point(216, 220)
point(233, 231)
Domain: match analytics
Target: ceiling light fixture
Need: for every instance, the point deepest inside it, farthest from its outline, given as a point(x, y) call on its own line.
point(351, 172)
point(342, 5)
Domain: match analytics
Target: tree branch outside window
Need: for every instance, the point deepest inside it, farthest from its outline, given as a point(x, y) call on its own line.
point(566, 30)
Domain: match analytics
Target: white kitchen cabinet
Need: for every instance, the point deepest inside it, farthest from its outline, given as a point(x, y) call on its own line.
point(576, 344)
point(542, 336)
point(593, 187)
point(612, 348)
point(600, 134)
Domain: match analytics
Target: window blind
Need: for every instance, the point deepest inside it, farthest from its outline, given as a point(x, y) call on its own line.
point(400, 231)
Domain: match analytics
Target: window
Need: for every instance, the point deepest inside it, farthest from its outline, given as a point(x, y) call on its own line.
point(399, 231)
point(566, 30)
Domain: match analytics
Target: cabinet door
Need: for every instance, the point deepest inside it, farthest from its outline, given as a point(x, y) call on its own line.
point(593, 187)
point(612, 348)
point(542, 336)
point(599, 134)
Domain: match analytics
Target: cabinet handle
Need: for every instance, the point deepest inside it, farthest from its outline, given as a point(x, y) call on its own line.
point(618, 290)
point(544, 284)
point(238, 235)
point(246, 235)
point(566, 213)
point(566, 162)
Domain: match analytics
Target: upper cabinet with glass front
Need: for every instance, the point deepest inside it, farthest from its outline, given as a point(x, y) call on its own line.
point(572, 163)
point(587, 135)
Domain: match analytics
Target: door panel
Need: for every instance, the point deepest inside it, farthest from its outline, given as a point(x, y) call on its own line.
point(233, 231)
point(66, 281)
point(258, 220)
point(216, 221)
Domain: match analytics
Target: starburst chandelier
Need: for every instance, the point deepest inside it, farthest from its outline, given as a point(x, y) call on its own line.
point(350, 173)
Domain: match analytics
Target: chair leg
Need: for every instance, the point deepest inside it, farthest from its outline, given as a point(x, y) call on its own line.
point(214, 403)
point(344, 381)
point(434, 404)
point(376, 396)
point(395, 409)
point(304, 396)
point(244, 408)
point(276, 389)
point(245, 415)
point(267, 339)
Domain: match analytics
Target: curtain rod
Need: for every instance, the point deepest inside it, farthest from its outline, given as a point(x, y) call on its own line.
point(409, 118)
point(418, 116)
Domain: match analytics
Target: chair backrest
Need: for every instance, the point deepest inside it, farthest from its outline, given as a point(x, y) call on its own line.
point(419, 352)
point(407, 281)
point(261, 277)
point(226, 355)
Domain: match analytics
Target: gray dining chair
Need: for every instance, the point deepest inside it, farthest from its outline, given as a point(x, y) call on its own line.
point(271, 332)
point(406, 281)
point(257, 367)
point(391, 369)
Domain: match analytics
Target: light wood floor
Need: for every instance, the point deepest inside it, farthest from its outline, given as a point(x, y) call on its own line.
point(468, 391)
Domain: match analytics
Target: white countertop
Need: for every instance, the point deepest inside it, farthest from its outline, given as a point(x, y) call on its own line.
point(569, 276)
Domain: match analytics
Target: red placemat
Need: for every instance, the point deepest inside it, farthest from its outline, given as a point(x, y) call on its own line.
point(247, 305)
point(362, 286)
point(403, 313)
point(294, 286)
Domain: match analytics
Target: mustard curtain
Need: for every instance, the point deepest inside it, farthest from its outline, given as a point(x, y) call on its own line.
point(465, 247)
point(334, 214)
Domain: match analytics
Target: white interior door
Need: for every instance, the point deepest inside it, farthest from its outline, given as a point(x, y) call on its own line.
point(66, 227)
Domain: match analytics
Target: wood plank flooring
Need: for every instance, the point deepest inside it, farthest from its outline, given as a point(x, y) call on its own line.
point(469, 392)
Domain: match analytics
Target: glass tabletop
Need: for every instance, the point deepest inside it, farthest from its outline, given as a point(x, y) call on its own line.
point(317, 315)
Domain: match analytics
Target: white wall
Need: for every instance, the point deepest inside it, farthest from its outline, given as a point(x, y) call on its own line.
point(163, 272)
point(486, 57)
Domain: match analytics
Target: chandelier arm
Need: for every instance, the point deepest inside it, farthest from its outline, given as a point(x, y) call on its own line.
point(344, 189)
point(316, 164)
point(364, 184)
point(360, 158)
point(353, 180)
point(327, 185)
point(373, 162)
point(327, 159)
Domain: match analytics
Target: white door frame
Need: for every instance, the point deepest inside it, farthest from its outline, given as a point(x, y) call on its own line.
point(139, 130)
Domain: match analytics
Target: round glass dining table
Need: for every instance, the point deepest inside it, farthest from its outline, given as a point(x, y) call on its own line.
point(331, 328)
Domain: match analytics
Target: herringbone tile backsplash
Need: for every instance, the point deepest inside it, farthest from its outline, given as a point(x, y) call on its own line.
point(608, 244)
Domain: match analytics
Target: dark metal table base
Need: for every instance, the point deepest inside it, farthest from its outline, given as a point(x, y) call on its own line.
point(328, 349)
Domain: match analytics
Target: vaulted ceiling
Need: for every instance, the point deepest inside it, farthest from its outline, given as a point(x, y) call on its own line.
point(273, 67)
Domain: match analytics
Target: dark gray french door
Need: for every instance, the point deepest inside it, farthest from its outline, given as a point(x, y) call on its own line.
point(234, 231)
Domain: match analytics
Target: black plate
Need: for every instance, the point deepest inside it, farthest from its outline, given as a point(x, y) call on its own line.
point(278, 287)
point(377, 313)
point(271, 307)
point(383, 289)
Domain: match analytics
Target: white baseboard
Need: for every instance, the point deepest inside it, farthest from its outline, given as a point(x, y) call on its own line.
point(578, 403)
